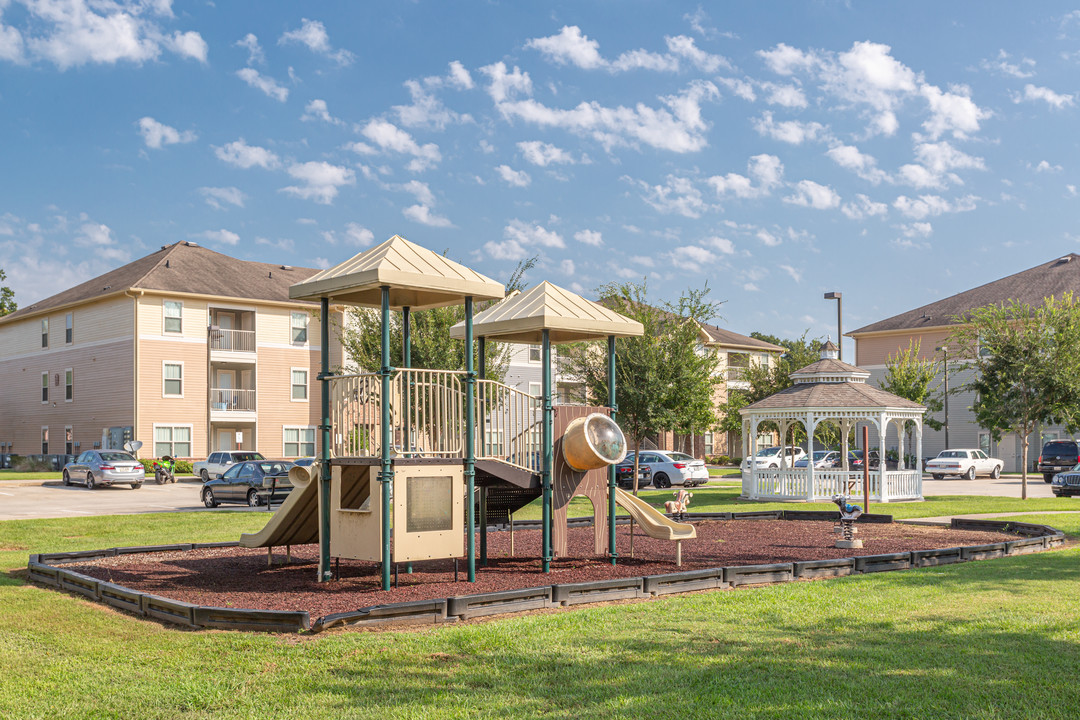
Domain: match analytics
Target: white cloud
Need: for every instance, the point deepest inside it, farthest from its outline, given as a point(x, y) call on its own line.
point(566, 267)
point(224, 237)
point(321, 181)
point(516, 178)
point(932, 205)
point(810, 194)
point(767, 170)
point(571, 47)
point(255, 51)
point(723, 245)
point(937, 161)
point(793, 132)
point(1045, 166)
point(1071, 190)
point(851, 158)
point(506, 85)
point(544, 154)
point(318, 110)
point(784, 95)
point(215, 196)
point(533, 234)
point(389, 137)
point(1001, 64)
point(423, 215)
point(421, 191)
point(312, 33)
point(684, 46)
point(953, 112)
point(868, 74)
point(678, 195)
point(267, 85)
point(242, 155)
point(358, 234)
point(786, 60)
point(692, 257)
point(157, 135)
point(11, 45)
point(426, 109)
point(794, 272)
point(460, 77)
point(1053, 99)
point(644, 60)
point(863, 207)
point(188, 44)
point(589, 237)
point(741, 88)
point(767, 238)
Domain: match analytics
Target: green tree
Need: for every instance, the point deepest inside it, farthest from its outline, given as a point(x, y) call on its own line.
point(664, 379)
point(7, 297)
point(910, 376)
point(431, 346)
point(1026, 365)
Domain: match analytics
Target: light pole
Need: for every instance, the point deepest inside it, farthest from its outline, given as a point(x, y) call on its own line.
point(944, 350)
point(838, 297)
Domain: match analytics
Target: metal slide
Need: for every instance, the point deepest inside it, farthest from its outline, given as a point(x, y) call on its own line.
point(655, 523)
point(296, 522)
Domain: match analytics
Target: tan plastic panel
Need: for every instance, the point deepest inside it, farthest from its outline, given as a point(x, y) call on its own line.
point(429, 512)
point(355, 513)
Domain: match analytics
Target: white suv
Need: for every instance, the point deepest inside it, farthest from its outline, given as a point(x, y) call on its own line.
point(220, 461)
point(769, 458)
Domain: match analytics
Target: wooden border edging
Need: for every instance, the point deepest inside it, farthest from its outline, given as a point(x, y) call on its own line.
point(40, 570)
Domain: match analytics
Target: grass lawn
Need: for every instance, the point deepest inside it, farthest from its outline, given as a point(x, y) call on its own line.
point(724, 472)
point(16, 475)
point(979, 640)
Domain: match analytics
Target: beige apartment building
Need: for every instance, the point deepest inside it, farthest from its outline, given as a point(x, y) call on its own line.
point(187, 350)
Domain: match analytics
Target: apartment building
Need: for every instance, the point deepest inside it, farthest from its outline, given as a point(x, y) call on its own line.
point(187, 350)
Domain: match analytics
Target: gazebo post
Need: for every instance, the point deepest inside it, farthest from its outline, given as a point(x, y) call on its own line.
point(810, 428)
point(470, 440)
point(883, 463)
point(753, 460)
point(918, 452)
point(386, 476)
point(548, 455)
point(611, 468)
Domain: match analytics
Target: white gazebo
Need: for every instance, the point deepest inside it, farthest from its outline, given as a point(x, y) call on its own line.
point(832, 391)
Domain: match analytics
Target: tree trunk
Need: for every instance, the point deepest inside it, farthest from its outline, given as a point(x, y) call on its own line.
point(1023, 469)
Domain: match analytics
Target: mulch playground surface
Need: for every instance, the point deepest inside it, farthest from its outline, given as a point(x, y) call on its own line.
point(240, 577)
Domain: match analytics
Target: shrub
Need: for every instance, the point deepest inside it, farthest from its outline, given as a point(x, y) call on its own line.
point(31, 464)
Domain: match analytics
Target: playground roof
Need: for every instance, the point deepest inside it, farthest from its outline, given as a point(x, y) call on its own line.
point(567, 316)
point(418, 279)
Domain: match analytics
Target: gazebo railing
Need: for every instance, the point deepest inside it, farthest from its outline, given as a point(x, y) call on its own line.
point(782, 484)
point(903, 484)
point(840, 482)
point(792, 485)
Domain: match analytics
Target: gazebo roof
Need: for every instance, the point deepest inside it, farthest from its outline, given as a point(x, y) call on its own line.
point(846, 395)
point(566, 316)
point(835, 370)
point(418, 278)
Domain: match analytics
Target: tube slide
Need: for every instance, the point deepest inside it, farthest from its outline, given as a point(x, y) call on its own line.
point(655, 523)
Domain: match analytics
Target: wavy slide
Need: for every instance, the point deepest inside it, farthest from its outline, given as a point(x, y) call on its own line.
point(296, 522)
point(655, 523)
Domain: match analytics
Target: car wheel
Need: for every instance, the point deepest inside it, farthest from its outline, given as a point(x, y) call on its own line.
point(136, 486)
point(970, 474)
point(208, 498)
point(253, 499)
point(1048, 478)
point(773, 466)
point(661, 480)
point(996, 472)
point(89, 481)
point(938, 477)
point(204, 475)
point(67, 478)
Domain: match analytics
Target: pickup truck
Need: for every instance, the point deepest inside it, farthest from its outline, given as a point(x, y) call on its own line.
point(220, 461)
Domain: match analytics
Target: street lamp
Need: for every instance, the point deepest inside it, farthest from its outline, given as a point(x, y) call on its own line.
point(839, 322)
point(945, 351)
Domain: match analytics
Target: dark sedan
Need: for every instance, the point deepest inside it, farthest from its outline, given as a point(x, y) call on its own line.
point(624, 475)
point(1067, 483)
point(254, 483)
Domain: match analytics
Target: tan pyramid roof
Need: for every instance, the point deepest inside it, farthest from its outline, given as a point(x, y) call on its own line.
point(418, 278)
point(567, 316)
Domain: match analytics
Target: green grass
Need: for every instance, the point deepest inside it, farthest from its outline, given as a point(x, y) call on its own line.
point(724, 472)
point(16, 475)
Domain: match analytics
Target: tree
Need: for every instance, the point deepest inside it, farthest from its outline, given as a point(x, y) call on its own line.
point(1026, 363)
point(910, 376)
point(431, 346)
point(7, 297)
point(664, 380)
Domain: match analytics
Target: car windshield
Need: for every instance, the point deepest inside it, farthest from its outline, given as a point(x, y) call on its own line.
point(820, 454)
point(247, 456)
point(117, 457)
point(680, 456)
point(953, 454)
point(1060, 447)
point(769, 452)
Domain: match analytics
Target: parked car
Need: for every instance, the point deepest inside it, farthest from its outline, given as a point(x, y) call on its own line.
point(249, 482)
point(769, 458)
point(624, 474)
point(823, 460)
point(1056, 456)
point(105, 468)
point(1067, 483)
point(673, 468)
point(964, 463)
point(220, 461)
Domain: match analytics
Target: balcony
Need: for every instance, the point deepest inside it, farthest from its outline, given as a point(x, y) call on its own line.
point(232, 341)
point(228, 403)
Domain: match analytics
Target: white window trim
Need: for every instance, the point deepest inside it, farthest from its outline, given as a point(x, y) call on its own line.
point(72, 371)
point(72, 316)
point(307, 328)
point(44, 334)
point(314, 442)
point(165, 317)
point(307, 384)
point(182, 378)
point(191, 435)
point(45, 385)
point(528, 353)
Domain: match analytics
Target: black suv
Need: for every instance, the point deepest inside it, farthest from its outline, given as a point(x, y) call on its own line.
point(1058, 456)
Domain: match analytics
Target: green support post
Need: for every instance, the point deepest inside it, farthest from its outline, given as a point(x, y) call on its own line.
point(548, 431)
point(386, 476)
point(481, 352)
point(611, 468)
point(470, 439)
point(325, 574)
point(406, 362)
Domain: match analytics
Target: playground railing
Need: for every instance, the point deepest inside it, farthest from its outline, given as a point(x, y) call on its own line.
point(508, 425)
point(428, 413)
point(355, 415)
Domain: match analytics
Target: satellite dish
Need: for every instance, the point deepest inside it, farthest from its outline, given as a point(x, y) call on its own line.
point(132, 446)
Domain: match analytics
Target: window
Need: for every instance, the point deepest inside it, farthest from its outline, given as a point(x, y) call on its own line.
point(44, 439)
point(69, 440)
point(536, 390)
point(299, 441)
point(737, 363)
point(493, 442)
point(174, 380)
point(299, 328)
point(69, 385)
point(174, 316)
point(984, 442)
point(709, 443)
point(299, 384)
point(44, 387)
point(535, 353)
point(69, 328)
point(172, 441)
point(44, 332)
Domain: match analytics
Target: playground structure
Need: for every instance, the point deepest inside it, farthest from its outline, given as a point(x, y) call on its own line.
point(403, 451)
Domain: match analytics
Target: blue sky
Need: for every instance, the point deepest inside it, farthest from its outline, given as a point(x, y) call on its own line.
point(896, 152)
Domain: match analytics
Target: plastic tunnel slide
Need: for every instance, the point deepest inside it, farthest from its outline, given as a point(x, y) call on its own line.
point(652, 521)
point(296, 522)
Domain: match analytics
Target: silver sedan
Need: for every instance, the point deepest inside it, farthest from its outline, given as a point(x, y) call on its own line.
point(105, 467)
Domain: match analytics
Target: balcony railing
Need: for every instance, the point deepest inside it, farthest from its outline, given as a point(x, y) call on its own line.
point(735, 373)
point(228, 400)
point(232, 340)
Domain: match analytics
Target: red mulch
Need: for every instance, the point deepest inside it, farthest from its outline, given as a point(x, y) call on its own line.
point(240, 577)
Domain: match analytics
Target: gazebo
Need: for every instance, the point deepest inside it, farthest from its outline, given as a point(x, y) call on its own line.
point(834, 392)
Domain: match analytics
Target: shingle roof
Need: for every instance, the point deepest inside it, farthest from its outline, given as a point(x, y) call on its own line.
point(183, 267)
point(1030, 286)
point(727, 337)
point(829, 366)
point(832, 395)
